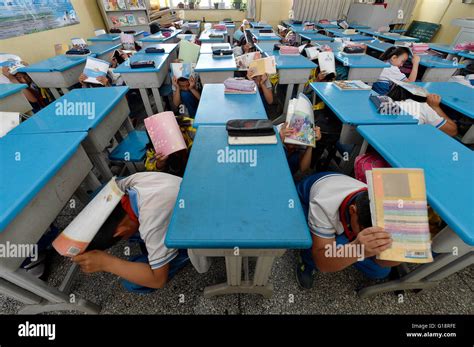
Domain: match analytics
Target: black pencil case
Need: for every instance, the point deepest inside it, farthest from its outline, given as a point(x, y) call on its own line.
point(250, 127)
point(142, 64)
point(265, 31)
point(222, 52)
point(154, 50)
point(75, 51)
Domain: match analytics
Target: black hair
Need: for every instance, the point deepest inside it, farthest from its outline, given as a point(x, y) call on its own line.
point(115, 31)
point(362, 204)
point(104, 238)
point(154, 28)
point(188, 32)
point(394, 52)
point(397, 93)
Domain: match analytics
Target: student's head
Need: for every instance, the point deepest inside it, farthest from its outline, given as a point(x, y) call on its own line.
point(183, 83)
point(115, 31)
point(23, 78)
point(359, 212)
point(396, 56)
point(397, 93)
point(154, 28)
point(188, 32)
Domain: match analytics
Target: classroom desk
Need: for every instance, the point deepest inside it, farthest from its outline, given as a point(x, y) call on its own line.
point(230, 31)
point(58, 72)
point(259, 37)
point(444, 48)
point(38, 185)
point(358, 26)
point(354, 108)
point(114, 37)
point(327, 26)
point(205, 36)
point(159, 38)
point(215, 70)
point(293, 70)
point(146, 78)
point(361, 67)
point(265, 46)
point(216, 108)
point(170, 48)
point(109, 114)
point(315, 37)
point(457, 96)
point(353, 37)
point(396, 38)
point(206, 48)
point(104, 50)
point(433, 151)
point(467, 55)
point(249, 211)
point(12, 98)
point(260, 25)
point(193, 26)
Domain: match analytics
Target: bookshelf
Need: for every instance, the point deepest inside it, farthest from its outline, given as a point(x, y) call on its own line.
point(125, 14)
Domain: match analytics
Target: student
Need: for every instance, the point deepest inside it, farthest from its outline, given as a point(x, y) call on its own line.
point(338, 212)
point(264, 87)
point(425, 110)
point(299, 157)
point(396, 57)
point(104, 80)
point(146, 208)
point(186, 93)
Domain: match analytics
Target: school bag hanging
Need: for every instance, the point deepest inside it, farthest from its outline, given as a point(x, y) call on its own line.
point(368, 161)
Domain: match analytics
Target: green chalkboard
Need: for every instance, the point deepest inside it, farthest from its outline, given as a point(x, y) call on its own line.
point(424, 31)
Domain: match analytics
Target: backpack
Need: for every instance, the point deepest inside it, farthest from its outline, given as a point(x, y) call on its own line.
point(367, 161)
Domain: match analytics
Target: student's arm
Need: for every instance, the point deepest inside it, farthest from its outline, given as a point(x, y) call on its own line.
point(192, 88)
point(414, 71)
point(372, 241)
point(387, 263)
point(176, 92)
point(30, 96)
point(139, 273)
point(305, 160)
point(267, 92)
point(449, 127)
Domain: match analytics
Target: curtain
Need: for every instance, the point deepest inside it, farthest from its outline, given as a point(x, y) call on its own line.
point(314, 10)
point(251, 9)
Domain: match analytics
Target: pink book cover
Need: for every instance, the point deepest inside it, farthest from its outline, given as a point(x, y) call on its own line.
point(165, 133)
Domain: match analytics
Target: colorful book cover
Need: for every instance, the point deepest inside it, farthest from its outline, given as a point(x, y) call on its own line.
point(131, 19)
point(243, 61)
point(300, 118)
point(128, 41)
point(165, 133)
point(121, 5)
point(115, 21)
point(398, 204)
point(182, 70)
point(142, 20)
point(95, 68)
point(262, 66)
point(80, 232)
point(123, 20)
point(78, 43)
point(351, 85)
point(136, 4)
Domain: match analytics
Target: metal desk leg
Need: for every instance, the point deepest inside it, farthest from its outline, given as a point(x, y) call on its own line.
point(157, 97)
point(468, 137)
point(55, 93)
point(101, 165)
point(289, 92)
point(146, 101)
point(65, 91)
point(18, 293)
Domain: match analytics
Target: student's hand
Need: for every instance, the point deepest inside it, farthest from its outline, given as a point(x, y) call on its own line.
point(433, 100)
point(263, 80)
point(246, 48)
point(285, 131)
point(415, 60)
point(174, 81)
point(160, 161)
point(317, 133)
point(103, 80)
point(92, 261)
point(192, 82)
point(374, 240)
point(82, 78)
point(321, 76)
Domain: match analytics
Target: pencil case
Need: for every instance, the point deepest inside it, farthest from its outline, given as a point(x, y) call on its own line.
point(385, 105)
point(222, 53)
point(249, 127)
point(353, 50)
point(142, 64)
point(154, 50)
point(76, 51)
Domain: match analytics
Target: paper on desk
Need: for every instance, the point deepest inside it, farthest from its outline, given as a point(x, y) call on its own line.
point(95, 68)
point(188, 52)
point(80, 232)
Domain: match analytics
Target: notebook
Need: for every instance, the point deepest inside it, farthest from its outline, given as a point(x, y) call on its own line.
point(95, 68)
point(300, 118)
point(262, 66)
point(165, 133)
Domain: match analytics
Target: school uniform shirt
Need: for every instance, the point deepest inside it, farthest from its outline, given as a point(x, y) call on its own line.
point(325, 198)
point(152, 198)
point(422, 112)
point(382, 86)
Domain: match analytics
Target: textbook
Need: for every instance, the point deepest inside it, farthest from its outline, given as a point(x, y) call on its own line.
point(412, 88)
point(78, 43)
point(80, 232)
point(351, 85)
point(165, 133)
point(188, 51)
point(243, 61)
point(398, 204)
point(312, 53)
point(95, 68)
point(182, 70)
point(300, 118)
point(128, 41)
point(326, 62)
point(8, 121)
point(262, 66)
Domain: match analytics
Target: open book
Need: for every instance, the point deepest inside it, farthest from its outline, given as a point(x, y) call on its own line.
point(412, 88)
point(128, 41)
point(398, 204)
point(182, 70)
point(300, 118)
point(188, 51)
point(262, 66)
point(80, 232)
point(243, 61)
point(351, 85)
point(95, 68)
point(165, 133)
point(327, 62)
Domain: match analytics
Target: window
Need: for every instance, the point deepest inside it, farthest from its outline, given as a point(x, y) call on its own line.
point(202, 4)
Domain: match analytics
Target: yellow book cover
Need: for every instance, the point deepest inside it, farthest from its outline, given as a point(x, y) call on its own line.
point(262, 66)
point(398, 204)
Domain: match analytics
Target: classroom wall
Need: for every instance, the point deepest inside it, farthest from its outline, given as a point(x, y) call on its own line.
point(273, 11)
point(39, 46)
point(443, 12)
point(214, 15)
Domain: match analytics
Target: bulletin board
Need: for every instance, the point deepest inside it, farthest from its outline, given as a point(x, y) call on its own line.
point(23, 17)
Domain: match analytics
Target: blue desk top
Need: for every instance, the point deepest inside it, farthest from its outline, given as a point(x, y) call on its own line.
point(58, 63)
point(257, 24)
point(327, 26)
point(292, 61)
point(314, 36)
point(49, 120)
point(256, 34)
point(205, 35)
point(216, 108)
point(360, 61)
point(228, 25)
point(42, 156)
point(455, 95)
point(467, 55)
point(207, 63)
point(10, 89)
point(358, 26)
point(449, 185)
point(265, 46)
point(168, 47)
point(206, 48)
point(379, 45)
point(158, 37)
point(105, 38)
point(235, 205)
point(354, 106)
point(396, 37)
point(158, 58)
point(444, 48)
point(102, 48)
point(435, 62)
